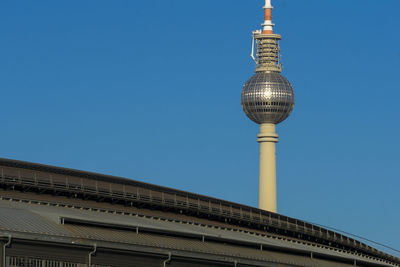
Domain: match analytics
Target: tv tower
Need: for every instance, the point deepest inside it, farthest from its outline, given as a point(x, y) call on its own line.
point(267, 99)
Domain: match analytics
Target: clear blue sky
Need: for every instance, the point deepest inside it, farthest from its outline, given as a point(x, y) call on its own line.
point(151, 90)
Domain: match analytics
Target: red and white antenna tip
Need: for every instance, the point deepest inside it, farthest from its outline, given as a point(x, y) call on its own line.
point(268, 26)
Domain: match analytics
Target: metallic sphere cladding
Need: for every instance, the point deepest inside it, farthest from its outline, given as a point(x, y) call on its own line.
point(267, 97)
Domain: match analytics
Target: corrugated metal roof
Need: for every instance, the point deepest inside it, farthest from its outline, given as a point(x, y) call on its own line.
point(22, 220)
point(45, 219)
point(189, 245)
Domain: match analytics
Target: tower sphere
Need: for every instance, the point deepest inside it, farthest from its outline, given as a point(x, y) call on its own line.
point(267, 97)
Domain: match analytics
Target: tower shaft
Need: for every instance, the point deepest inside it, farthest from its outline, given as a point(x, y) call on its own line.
point(267, 185)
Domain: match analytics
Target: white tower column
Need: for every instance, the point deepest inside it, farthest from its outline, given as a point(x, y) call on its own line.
point(267, 190)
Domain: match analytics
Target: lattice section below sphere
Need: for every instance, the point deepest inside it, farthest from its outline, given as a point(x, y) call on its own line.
point(267, 98)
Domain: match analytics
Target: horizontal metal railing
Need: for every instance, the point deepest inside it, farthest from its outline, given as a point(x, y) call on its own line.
point(199, 204)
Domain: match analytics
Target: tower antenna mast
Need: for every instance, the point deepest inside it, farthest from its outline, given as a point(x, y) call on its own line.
point(268, 26)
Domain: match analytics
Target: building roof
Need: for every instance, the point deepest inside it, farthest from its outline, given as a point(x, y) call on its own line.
point(40, 202)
